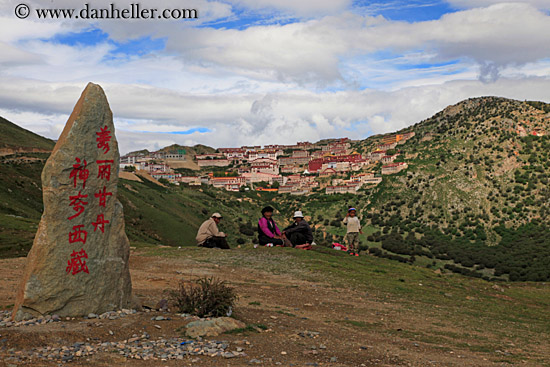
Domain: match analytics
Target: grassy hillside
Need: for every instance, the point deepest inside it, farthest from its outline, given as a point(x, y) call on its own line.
point(20, 201)
point(153, 214)
point(171, 216)
point(190, 151)
point(20, 186)
point(14, 137)
point(474, 199)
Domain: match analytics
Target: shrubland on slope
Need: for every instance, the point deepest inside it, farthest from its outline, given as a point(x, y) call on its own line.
point(474, 199)
point(153, 214)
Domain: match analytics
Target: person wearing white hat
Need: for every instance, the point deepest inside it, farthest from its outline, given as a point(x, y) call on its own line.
point(210, 236)
point(299, 233)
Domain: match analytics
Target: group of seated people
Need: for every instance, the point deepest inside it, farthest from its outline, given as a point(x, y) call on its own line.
point(298, 235)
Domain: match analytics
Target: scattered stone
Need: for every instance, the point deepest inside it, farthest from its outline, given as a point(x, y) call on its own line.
point(5, 316)
point(310, 352)
point(497, 287)
point(162, 305)
point(140, 348)
point(158, 326)
point(309, 334)
point(212, 327)
point(333, 359)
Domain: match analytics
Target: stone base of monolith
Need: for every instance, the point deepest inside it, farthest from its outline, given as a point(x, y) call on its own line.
point(78, 263)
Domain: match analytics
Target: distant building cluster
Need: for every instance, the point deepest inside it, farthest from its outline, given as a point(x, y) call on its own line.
point(287, 169)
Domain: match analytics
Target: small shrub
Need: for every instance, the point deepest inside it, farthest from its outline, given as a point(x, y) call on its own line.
point(246, 229)
point(363, 247)
point(206, 297)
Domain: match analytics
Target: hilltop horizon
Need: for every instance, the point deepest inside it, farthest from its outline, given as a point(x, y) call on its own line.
point(447, 191)
point(291, 142)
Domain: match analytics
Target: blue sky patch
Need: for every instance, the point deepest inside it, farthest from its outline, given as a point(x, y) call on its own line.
point(92, 37)
point(404, 10)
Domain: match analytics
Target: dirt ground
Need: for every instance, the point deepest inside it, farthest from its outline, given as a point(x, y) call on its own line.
point(288, 306)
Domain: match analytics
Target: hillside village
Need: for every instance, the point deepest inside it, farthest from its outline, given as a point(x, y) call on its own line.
point(300, 169)
point(475, 174)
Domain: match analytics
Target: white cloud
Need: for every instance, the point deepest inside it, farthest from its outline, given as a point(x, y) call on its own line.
point(305, 80)
point(311, 51)
point(12, 56)
point(466, 4)
point(14, 29)
point(236, 120)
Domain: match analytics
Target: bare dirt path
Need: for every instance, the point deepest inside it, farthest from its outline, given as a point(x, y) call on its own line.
point(308, 323)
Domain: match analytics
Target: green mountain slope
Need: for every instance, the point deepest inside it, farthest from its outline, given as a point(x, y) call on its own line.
point(15, 137)
point(474, 199)
point(175, 148)
point(22, 157)
point(153, 214)
point(171, 216)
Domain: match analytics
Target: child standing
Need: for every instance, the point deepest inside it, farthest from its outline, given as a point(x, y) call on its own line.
point(353, 230)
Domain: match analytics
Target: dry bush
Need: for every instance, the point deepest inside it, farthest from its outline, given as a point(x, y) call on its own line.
point(205, 297)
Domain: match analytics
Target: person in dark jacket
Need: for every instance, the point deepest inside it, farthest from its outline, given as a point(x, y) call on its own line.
point(268, 232)
point(299, 233)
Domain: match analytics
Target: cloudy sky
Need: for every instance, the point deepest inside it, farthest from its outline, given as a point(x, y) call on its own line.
point(271, 71)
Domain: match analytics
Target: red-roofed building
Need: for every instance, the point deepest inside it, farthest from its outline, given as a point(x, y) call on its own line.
point(343, 189)
point(387, 146)
point(377, 155)
point(233, 153)
point(328, 172)
point(228, 182)
point(317, 164)
point(389, 158)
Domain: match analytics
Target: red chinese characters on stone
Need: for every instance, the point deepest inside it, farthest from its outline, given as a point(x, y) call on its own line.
point(76, 264)
point(80, 172)
point(78, 204)
point(102, 195)
point(104, 169)
point(79, 234)
point(100, 223)
point(103, 139)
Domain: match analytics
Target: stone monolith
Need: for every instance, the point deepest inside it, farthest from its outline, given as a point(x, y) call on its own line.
point(78, 263)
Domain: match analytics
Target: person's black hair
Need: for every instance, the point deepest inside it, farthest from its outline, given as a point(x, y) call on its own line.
point(267, 209)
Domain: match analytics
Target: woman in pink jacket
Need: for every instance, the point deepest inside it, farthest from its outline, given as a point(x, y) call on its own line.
point(268, 232)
